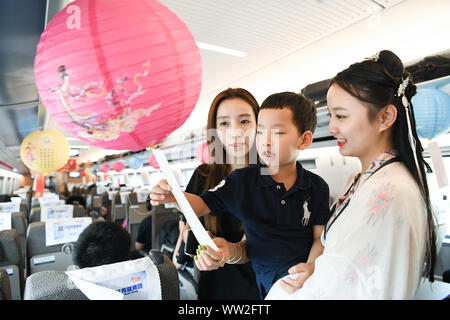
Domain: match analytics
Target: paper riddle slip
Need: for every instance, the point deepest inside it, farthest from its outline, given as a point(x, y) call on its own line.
point(197, 228)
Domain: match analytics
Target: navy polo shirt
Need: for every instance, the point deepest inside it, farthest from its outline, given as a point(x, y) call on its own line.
point(277, 223)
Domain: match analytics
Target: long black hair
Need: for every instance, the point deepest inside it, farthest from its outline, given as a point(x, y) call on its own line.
point(375, 81)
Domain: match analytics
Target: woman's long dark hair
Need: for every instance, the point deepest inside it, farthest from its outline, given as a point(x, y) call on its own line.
point(375, 81)
point(218, 169)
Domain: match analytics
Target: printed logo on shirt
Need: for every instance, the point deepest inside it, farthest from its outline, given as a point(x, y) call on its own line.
point(306, 214)
point(221, 184)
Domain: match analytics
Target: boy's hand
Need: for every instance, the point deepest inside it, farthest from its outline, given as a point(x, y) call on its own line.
point(299, 273)
point(161, 193)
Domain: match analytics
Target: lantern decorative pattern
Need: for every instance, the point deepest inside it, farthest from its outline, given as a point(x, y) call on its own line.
point(133, 79)
point(432, 112)
point(44, 151)
point(135, 163)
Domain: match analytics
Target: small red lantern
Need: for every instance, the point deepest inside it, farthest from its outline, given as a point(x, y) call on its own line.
point(152, 162)
point(105, 168)
point(118, 166)
point(201, 153)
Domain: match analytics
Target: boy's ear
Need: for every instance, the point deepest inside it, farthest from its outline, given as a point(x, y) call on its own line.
point(305, 140)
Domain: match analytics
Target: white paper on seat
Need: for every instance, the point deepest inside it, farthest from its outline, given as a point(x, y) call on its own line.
point(438, 164)
point(63, 231)
point(10, 207)
point(100, 189)
point(48, 197)
point(57, 212)
point(95, 292)
point(128, 280)
point(124, 196)
point(16, 199)
point(5, 221)
point(53, 203)
point(197, 228)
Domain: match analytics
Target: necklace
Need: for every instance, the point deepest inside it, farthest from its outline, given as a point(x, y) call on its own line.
point(342, 203)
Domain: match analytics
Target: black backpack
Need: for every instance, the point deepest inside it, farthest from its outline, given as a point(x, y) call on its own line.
point(168, 236)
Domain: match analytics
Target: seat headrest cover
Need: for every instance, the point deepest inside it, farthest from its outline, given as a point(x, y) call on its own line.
point(9, 241)
point(128, 280)
point(5, 286)
point(51, 285)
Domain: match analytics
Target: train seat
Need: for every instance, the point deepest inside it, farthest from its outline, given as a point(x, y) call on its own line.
point(24, 209)
point(160, 215)
point(19, 223)
point(132, 197)
point(56, 285)
point(41, 257)
point(118, 209)
point(35, 214)
point(135, 215)
point(5, 287)
point(12, 262)
point(79, 211)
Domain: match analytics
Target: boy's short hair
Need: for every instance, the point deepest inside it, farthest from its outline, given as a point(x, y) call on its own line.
point(303, 109)
point(102, 242)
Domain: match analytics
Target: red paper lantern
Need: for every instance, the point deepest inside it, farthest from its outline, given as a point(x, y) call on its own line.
point(201, 153)
point(117, 74)
point(40, 184)
point(152, 162)
point(118, 166)
point(105, 168)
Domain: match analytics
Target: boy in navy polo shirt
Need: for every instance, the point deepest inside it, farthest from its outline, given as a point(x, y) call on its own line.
point(283, 207)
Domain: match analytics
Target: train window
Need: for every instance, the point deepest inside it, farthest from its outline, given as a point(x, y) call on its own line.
point(7, 185)
point(155, 177)
point(118, 179)
point(74, 152)
point(130, 179)
point(308, 164)
point(3, 184)
point(135, 179)
point(74, 174)
point(440, 197)
point(187, 174)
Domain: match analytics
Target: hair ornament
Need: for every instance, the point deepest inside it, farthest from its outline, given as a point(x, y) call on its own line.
point(374, 58)
point(402, 87)
point(401, 91)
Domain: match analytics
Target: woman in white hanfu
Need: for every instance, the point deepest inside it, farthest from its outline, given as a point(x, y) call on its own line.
point(380, 239)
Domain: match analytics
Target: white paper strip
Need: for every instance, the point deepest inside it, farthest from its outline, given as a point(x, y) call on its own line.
point(197, 228)
point(5, 221)
point(438, 164)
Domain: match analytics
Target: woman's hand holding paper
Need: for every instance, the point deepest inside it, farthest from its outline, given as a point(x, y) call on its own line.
point(161, 193)
point(208, 259)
